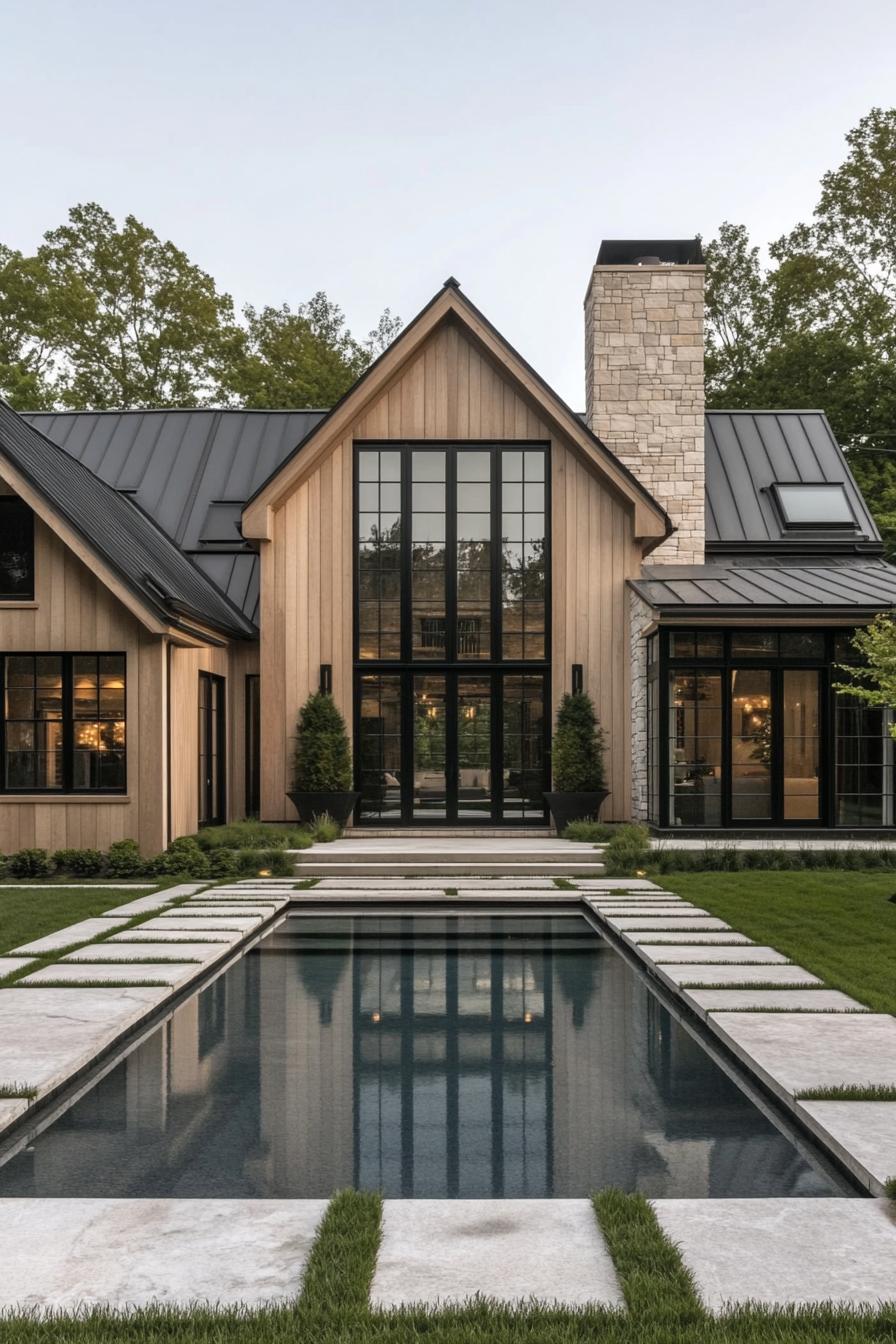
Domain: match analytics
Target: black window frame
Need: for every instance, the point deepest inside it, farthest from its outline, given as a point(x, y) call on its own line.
point(68, 725)
point(724, 664)
point(8, 504)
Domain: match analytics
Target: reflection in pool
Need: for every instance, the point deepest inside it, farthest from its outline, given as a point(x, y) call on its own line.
point(451, 1055)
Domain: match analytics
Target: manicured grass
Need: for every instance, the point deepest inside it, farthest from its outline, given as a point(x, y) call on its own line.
point(839, 925)
point(848, 1092)
point(661, 1304)
point(26, 915)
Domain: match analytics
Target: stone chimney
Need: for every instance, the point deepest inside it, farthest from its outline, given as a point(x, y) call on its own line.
point(644, 376)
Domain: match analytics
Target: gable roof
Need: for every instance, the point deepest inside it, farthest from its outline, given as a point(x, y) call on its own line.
point(191, 471)
point(115, 529)
point(651, 521)
point(749, 451)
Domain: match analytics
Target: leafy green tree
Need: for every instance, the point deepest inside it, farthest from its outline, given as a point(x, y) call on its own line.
point(134, 322)
point(301, 357)
point(26, 357)
point(873, 679)
point(817, 328)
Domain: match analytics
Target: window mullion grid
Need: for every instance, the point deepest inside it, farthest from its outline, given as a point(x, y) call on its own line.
point(497, 559)
point(450, 556)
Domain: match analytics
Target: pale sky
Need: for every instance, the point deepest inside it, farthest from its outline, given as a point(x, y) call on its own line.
point(373, 149)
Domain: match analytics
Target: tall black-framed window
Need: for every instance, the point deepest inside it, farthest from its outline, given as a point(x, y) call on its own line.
point(253, 744)
point(452, 630)
point(747, 729)
point(16, 550)
point(64, 723)
point(212, 750)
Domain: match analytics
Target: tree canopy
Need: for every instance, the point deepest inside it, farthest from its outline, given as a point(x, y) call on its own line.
point(107, 316)
point(816, 327)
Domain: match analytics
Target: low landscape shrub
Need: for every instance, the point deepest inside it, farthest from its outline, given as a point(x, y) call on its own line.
point(222, 863)
point(253, 835)
point(324, 829)
point(592, 832)
point(252, 862)
point(79, 862)
point(727, 859)
point(124, 859)
point(628, 851)
point(183, 857)
point(29, 863)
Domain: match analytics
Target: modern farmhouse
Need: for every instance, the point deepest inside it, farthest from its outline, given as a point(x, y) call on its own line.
point(448, 549)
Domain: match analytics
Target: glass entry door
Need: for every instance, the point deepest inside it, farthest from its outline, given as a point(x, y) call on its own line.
point(775, 749)
point(452, 747)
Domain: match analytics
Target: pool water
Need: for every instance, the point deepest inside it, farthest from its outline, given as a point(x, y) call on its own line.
point(451, 1055)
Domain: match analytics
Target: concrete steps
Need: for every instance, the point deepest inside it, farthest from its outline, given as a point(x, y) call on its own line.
point(449, 857)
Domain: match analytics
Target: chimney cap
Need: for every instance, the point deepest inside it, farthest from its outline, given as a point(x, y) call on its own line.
point(650, 252)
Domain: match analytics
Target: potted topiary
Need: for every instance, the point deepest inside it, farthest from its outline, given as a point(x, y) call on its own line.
point(578, 763)
point(322, 766)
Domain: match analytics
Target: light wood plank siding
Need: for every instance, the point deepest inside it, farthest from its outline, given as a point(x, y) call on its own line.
point(448, 390)
point(73, 611)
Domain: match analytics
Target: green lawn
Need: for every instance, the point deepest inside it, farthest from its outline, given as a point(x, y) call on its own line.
point(839, 925)
point(28, 914)
point(661, 1305)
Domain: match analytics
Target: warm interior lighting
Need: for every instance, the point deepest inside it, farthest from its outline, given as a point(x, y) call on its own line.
point(375, 1017)
point(527, 1017)
point(264, 872)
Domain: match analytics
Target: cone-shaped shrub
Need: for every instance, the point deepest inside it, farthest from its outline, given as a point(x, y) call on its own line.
point(578, 748)
point(322, 761)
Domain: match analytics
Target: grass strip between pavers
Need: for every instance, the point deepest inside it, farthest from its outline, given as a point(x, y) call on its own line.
point(662, 1306)
point(849, 1092)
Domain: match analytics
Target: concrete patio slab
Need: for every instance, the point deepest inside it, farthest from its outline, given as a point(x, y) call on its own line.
point(617, 884)
point(687, 974)
point(797, 1051)
point(141, 906)
point(681, 923)
point(68, 1252)
point(725, 938)
point(10, 964)
point(785, 1252)
point(140, 935)
point(793, 1000)
point(195, 924)
point(48, 1034)
point(241, 911)
point(113, 950)
point(81, 932)
point(656, 910)
point(751, 955)
point(441, 1252)
point(11, 1108)
point(858, 1131)
point(84, 972)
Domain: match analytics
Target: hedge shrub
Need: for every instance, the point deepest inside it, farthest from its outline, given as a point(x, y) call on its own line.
point(322, 761)
point(30, 863)
point(80, 862)
point(578, 746)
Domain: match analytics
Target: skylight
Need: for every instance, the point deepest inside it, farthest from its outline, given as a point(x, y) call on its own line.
point(814, 505)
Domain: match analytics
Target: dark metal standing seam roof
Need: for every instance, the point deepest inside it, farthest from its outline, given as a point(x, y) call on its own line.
point(133, 544)
point(748, 451)
point(184, 467)
point(766, 588)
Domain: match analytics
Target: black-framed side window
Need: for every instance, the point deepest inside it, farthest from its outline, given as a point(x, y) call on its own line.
point(212, 749)
point(64, 723)
point(253, 744)
point(746, 728)
point(16, 550)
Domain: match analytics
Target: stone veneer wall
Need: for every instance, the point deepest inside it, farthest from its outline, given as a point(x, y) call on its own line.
point(644, 387)
point(640, 617)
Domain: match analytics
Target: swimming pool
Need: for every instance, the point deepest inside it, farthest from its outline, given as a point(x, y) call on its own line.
point(450, 1054)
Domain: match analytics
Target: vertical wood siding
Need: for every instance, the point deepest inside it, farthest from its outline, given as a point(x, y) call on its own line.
point(449, 391)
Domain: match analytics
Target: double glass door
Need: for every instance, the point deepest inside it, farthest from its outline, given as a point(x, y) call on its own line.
point(452, 747)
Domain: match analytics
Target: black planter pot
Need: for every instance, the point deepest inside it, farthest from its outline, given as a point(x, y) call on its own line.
point(337, 805)
point(567, 807)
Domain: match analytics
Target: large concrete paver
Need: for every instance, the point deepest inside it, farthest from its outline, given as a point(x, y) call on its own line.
point(681, 952)
point(11, 1108)
point(129, 1253)
point(724, 938)
point(10, 964)
point(784, 1000)
point(122, 951)
point(175, 936)
point(798, 1051)
point(666, 923)
point(81, 932)
point(859, 1131)
point(84, 973)
point(440, 1252)
point(156, 901)
point(688, 974)
point(48, 1034)
point(198, 923)
point(785, 1252)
